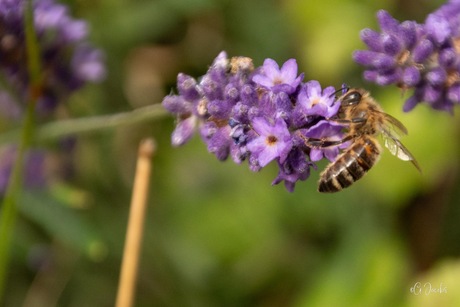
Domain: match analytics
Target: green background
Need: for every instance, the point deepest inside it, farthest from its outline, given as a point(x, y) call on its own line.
point(217, 234)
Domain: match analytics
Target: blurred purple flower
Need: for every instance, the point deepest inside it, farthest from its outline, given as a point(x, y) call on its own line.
point(68, 62)
point(66, 56)
point(35, 172)
point(423, 57)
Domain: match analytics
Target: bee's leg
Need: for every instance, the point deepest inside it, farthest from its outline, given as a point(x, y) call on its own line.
point(322, 143)
point(356, 120)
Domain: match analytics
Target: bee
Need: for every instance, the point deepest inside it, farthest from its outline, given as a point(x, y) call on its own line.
point(365, 120)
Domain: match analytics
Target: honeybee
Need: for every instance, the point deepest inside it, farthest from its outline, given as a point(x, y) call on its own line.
point(365, 120)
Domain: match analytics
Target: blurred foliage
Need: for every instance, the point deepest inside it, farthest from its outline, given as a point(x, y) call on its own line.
point(216, 233)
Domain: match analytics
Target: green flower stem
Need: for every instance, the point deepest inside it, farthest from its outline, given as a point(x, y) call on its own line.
point(58, 129)
point(9, 206)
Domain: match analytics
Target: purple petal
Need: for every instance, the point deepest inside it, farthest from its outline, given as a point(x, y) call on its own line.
point(74, 30)
point(331, 153)
point(431, 94)
point(410, 103)
point(316, 155)
point(438, 27)
point(422, 51)
point(391, 44)
point(271, 68)
point(88, 63)
point(411, 76)
point(187, 87)
point(176, 104)
point(373, 59)
point(390, 77)
point(220, 109)
point(447, 57)
point(453, 94)
point(329, 92)
point(183, 131)
point(408, 33)
point(220, 142)
point(261, 126)
point(263, 80)
point(289, 70)
point(231, 93)
point(372, 39)
point(387, 22)
point(313, 88)
point(437, 76)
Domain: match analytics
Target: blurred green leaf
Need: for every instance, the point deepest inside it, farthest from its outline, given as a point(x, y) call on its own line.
point(67, 225)
point(368, 269)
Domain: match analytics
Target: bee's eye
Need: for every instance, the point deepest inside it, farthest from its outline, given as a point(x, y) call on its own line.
point(351, 98)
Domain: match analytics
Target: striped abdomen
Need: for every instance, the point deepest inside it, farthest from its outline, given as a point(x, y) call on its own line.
point(350, 166)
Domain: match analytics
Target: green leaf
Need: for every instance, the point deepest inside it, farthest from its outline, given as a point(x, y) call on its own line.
point(62, 223)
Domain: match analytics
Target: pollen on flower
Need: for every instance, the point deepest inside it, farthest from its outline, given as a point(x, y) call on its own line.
point(202, 107)
point(277, 81)
point(271, 140)
point(315, 101)
point(403, 57)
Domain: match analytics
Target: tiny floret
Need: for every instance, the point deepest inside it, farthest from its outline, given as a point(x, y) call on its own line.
point(273, 141)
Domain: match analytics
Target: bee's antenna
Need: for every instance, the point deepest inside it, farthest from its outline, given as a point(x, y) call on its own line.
point(343, 89)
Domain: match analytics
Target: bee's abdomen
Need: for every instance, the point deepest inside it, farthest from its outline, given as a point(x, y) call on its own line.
point(350, 166)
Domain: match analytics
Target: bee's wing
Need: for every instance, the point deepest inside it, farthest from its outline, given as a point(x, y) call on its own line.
point(393, 143)
point(394, 125)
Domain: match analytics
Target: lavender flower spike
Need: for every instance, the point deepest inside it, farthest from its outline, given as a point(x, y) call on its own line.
point(68, 62)
point(256, 114)
point(69, 58)
point(423, 57)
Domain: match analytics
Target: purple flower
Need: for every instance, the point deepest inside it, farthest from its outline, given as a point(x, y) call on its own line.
point(395, 52)
point(326, 130)
point(218, 139)
point(273, 141)
point(35, 172)
point(314, 101)
point(188, 107)
point(276, 79)
point(184, 131)
point(424, 57)
point(293, 169)
point(69, 60)
point(243, 112)
point(444, 23)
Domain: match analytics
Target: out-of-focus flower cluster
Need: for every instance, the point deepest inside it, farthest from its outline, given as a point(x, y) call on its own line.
point(423, 57)
point(68, 60)
point(259, 114)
